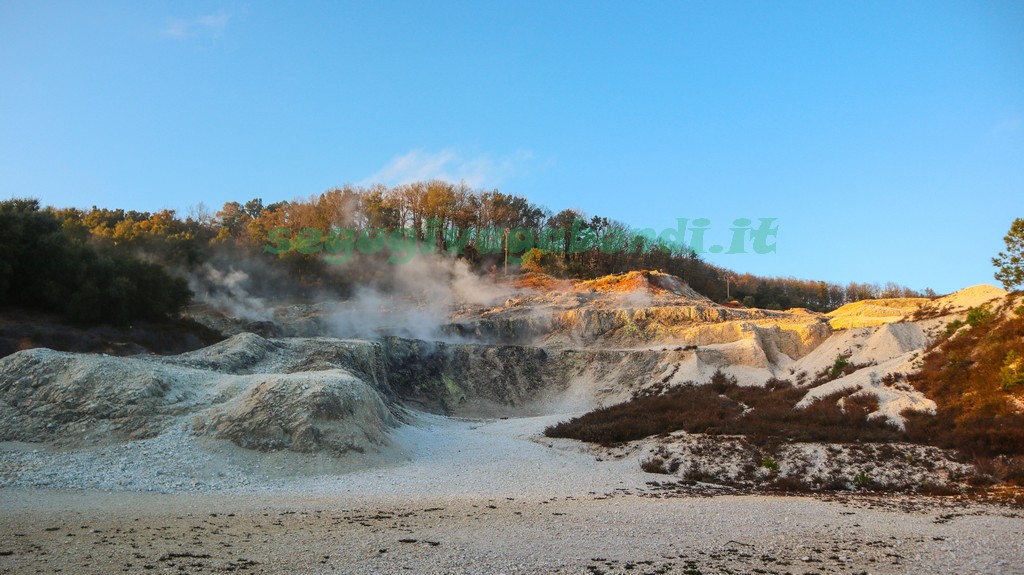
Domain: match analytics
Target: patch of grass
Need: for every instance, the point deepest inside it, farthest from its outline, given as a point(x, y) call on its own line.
point(631, 330)
point(840, 367)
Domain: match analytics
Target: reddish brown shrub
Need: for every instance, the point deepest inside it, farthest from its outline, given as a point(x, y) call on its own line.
point(763, 414)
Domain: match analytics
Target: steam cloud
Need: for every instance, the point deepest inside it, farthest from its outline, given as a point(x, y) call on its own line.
point(412, 300)
point(226, 291)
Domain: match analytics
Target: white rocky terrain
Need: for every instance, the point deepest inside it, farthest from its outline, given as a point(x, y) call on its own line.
point(409, 447)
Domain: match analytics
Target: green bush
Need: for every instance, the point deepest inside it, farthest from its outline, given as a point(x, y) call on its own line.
point(1012, 372)
point(978, 315)
point(542, 261)
point(952, 326)
point(840, 363)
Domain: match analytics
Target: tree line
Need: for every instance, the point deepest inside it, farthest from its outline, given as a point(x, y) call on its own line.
point(438, 211)
point(134, 246)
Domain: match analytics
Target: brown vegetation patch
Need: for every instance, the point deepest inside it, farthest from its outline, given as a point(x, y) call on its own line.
point(763, 414)
point(970, 376)
point(541, 282)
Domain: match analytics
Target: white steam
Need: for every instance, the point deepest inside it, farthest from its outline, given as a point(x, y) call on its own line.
point(413, 300)
point(225, 291)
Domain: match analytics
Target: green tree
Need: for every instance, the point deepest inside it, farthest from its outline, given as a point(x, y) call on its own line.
point(1011, 262)
point(45, 269)
point(1012, 372)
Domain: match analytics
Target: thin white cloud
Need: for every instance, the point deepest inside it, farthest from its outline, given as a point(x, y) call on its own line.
point(209, 25)
point(449, 165)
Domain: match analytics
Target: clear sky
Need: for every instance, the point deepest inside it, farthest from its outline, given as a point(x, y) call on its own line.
point(886, 137)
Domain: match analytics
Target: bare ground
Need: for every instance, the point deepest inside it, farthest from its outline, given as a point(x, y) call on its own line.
point(592, 533)
point(494, 497)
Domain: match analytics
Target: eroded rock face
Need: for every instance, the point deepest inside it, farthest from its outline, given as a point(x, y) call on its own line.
point(469, 379)
point(329, 411)
point(635, 310)
point(300, 394)
point(323, 394)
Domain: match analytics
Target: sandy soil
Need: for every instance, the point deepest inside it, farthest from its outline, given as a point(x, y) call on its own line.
point(494, 497)
point(99, 533)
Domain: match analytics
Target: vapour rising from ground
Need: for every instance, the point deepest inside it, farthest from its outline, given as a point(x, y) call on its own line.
point(413, 300)
point(362, 299)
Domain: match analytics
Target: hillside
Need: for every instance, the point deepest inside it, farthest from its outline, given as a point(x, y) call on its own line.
point(532, 346)
point(336, 423)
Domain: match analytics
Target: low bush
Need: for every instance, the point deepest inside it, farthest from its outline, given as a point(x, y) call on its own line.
point(862, 481)
point(978, 315)
point(840, 367)
point(721, 408)
point(654, 465)
point(951, 327)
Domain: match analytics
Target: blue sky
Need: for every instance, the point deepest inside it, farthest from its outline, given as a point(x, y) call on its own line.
point(886, 137)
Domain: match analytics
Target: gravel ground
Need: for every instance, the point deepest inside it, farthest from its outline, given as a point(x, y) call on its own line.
point(435, 455)
point(457, 497)
point(104, 533)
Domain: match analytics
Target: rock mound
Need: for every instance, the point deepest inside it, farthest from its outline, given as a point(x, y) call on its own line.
point(959, 302)
point(970, 297)
point(239, 354)
point(873, 312)
point(653, 282)
point(734, 461)
point(300, 395)
point(69, 398)
point(329, 411)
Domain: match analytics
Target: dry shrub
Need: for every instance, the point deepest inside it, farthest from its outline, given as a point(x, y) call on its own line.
point(790, 484)
point(718, 408)
point(697, 408)
point(653, 465)
point(1002, 468)
point(962, 375)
